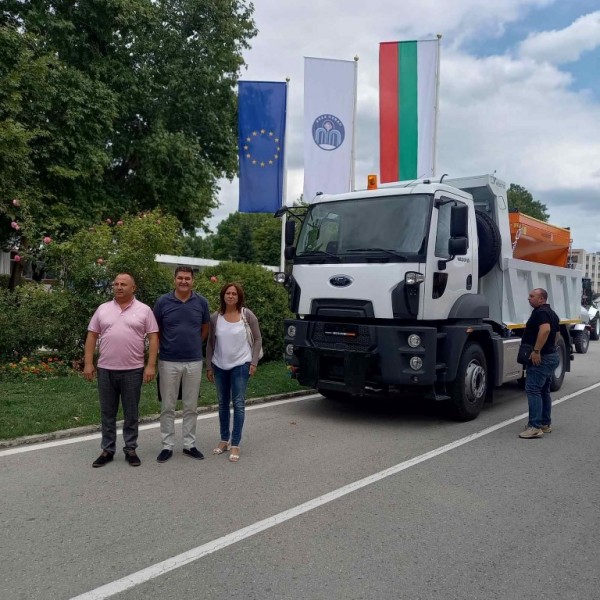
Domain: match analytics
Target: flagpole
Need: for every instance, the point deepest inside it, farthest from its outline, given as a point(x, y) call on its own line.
point(353, 158)
point(437, 105)
point(284, 190)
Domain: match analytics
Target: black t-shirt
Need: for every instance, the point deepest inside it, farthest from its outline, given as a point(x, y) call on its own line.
point(539, 316)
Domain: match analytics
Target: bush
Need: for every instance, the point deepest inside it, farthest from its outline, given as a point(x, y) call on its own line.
point(265, 298)
point(31, 317)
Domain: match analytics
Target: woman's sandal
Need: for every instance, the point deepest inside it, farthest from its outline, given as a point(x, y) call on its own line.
point(221, 448)
point(234, 457)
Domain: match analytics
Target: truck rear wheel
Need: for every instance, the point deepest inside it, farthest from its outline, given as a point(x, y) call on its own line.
point(559, 373)
point(581, 339)
point(467, 393)
point(490, 242)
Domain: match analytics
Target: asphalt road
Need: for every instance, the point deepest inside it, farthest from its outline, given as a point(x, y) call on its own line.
point(329, 500)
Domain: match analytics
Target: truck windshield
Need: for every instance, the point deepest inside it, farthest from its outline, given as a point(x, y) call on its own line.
point(389, 228)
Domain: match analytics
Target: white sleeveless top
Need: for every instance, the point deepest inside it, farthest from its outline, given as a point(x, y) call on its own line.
point(232, 348)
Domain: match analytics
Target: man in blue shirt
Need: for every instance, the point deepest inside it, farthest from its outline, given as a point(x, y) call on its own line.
point(182, 316)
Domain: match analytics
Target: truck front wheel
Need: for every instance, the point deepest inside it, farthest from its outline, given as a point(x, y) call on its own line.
point(468, 391)
point(595, 333)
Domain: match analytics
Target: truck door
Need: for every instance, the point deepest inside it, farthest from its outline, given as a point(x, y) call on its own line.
point(448, 278)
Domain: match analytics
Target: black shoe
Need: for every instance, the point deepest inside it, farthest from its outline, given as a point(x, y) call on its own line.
point(104, 458)
point(132, 458)
point(193, 453)
point(164, 455)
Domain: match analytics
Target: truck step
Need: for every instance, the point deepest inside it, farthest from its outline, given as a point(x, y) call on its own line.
point(440, 366)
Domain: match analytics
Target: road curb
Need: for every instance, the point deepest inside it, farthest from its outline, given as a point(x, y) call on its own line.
point(88, 429)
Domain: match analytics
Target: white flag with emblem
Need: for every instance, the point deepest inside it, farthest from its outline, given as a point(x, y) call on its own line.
point(329, 114)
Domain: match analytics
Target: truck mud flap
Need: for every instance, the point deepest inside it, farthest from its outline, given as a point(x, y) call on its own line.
point(355, 368)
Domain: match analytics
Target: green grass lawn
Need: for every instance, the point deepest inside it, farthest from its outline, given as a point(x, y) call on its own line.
point(35, 406)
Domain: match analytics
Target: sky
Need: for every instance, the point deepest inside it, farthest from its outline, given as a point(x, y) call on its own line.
point(519, 90)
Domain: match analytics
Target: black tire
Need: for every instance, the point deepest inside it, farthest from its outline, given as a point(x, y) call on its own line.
point(490, 242)
point(595, 332)
point(559, 373)
point(468, 392)
point(581, 339)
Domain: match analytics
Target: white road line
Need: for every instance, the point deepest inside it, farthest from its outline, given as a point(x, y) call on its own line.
point(158, 569)
point(97, 436)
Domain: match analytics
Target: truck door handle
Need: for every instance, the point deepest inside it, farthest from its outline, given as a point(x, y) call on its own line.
point(469, 282)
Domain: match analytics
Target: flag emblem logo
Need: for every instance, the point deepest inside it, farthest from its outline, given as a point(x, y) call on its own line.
point(262, 148)
point(328, 132)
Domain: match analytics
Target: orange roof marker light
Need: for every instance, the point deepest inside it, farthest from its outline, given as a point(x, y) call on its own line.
point(371, 182)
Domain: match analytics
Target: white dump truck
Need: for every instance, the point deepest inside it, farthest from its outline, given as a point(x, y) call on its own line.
point(414, 285)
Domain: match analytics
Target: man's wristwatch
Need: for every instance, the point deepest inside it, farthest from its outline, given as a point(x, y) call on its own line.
point(536, 351)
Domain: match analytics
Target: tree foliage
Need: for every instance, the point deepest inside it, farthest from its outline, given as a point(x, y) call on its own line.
point(522, 200)
point(241, 237)
point(115, 107)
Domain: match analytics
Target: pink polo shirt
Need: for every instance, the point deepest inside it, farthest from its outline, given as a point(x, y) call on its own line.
point(122, 333)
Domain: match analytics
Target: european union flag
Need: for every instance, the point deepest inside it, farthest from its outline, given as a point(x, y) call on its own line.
point(261, 130)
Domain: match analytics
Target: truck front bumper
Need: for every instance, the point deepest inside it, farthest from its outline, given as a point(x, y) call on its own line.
point(353, 357)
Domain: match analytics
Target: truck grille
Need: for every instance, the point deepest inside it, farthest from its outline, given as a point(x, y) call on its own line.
point(336, 336)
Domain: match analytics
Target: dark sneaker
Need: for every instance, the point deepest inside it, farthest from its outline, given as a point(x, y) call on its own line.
point(104, 458)
point(193, 453)
point(132, 458)
point(164, 455)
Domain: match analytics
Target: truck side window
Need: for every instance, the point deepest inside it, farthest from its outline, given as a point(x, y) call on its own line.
point(442, 236)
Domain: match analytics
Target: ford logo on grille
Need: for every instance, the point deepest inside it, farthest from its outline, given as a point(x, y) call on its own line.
point(340, 280)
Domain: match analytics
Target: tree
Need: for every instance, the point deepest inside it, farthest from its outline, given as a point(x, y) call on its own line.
point(114, 107)
point(522, 200)
point(248, 237)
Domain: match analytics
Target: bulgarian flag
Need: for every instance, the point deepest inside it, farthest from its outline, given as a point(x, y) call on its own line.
point(408, 73)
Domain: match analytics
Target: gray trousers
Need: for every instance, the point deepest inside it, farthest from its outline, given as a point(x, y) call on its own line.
point(126, 386)
point(189, 374)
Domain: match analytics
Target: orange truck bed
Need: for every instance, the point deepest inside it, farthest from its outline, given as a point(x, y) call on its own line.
point(539, 242)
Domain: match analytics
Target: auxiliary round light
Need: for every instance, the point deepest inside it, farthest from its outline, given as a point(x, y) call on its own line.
point(414, 341)
point(416, 363)
point(279, 277)
point(289, 349)
point(291, 331)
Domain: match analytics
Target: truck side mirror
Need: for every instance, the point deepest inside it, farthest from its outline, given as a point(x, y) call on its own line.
point(289, 252)
point(458, 246)
point(459, 221)
point(290, 232)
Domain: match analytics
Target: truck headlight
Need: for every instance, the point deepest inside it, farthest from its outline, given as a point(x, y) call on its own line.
point(414, 341)
point(415, 363)
point(291, 331)
point(414, 278)
point(279, 277)
point(289, 349)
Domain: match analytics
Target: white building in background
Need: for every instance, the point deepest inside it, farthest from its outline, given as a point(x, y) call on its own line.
point(589, 264)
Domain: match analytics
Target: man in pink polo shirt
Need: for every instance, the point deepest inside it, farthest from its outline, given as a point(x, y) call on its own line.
point(122, 324)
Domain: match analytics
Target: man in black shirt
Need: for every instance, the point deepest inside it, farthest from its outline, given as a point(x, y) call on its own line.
point(541, 331)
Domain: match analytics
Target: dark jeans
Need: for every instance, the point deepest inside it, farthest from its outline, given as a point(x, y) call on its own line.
point(231, 388)
point(537, 387)
point(126, 386)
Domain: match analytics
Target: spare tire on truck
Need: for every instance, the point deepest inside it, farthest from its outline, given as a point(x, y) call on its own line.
point(490, 242)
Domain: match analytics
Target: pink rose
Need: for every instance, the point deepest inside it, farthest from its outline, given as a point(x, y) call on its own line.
point(214, 279)
point(158, 222)
point(47, 240)
point(100, 261)
point(16, 202)
point(119, 223)
point(17, 258)
point(15, 225)
point(109, 221)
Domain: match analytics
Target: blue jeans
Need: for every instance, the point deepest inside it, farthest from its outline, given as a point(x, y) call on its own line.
point(537, 387)
point(231, 387)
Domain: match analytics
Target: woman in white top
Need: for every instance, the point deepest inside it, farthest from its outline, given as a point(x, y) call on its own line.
point(232, 353)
